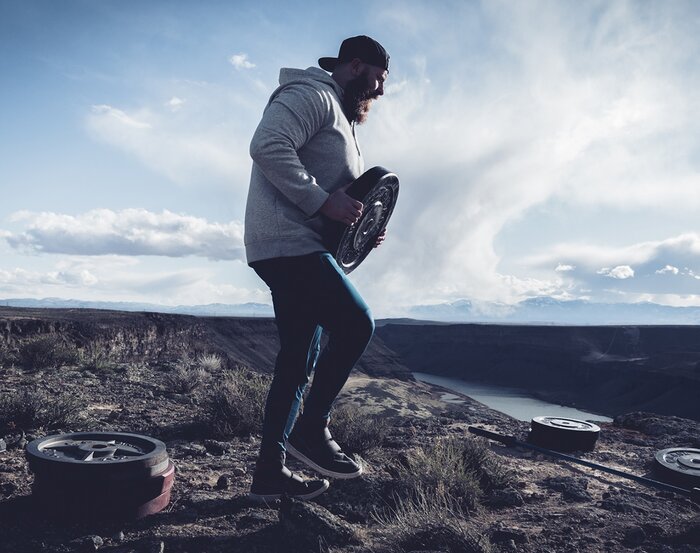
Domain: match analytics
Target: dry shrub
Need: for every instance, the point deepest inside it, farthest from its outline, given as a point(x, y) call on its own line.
point(96, 356)
point(185, 377)
point(357, 432)
point(428, 519)
point(237, 404)
point(32, 409)
point(8, 355)
point(46, 351)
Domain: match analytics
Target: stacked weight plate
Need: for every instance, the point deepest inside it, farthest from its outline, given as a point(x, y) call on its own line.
point(562, 434)
point(106, 475)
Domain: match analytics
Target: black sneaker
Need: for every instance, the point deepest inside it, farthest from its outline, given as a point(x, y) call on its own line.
point(317, 448)
point(269, 485)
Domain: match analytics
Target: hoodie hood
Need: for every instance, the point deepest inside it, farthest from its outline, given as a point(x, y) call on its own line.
point(312, 76)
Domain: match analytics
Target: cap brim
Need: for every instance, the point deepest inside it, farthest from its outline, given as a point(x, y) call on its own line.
point(328, 64)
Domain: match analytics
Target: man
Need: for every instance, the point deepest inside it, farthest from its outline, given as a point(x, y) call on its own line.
point(305, 155)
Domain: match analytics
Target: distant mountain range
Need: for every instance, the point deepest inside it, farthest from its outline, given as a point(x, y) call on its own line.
point(546, 310)
point(541, 310)
point(209, 310)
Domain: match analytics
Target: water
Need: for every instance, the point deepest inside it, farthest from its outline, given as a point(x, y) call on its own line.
point(516, 402)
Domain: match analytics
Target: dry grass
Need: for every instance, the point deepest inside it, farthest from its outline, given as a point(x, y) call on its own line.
point(442, 466)
point(357, 432)
point(8, 355)
point(429, 519)
point(237, 404)
point(96, 356)
point(209, 362)
point(29, 410)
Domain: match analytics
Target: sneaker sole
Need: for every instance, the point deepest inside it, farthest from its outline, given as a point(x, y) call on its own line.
point(304, 459)
point(264, 498)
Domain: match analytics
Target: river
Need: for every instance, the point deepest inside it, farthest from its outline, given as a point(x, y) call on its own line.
point(515, 402)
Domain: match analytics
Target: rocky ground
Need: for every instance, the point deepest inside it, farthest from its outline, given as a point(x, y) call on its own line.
point(551, 506)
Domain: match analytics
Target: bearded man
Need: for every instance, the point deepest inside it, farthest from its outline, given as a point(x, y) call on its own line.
point(305, 155)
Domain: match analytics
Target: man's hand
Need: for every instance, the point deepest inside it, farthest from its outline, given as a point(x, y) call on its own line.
point(341, 207)
point(380, 239)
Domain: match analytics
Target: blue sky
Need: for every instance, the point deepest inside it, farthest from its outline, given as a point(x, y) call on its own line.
point(544, 148)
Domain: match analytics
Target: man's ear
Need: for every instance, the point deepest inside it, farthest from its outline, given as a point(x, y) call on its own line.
point(356, 66)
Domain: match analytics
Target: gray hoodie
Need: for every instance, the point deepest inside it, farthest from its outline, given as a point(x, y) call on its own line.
point(303, 149)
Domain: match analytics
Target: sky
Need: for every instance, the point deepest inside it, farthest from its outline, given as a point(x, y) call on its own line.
point(543, 148)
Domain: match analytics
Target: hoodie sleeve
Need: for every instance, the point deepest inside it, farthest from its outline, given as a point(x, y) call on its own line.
point(291, 119)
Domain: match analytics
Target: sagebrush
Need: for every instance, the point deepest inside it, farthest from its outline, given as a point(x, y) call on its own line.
point(33, 409)
point(47, 351)
point(236, 405)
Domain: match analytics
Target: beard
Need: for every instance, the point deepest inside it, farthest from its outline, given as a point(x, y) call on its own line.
point(357, 98)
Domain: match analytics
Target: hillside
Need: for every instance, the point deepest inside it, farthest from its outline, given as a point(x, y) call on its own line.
point(510, 500)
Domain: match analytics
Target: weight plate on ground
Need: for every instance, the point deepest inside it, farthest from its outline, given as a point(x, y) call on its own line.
point(562, 434)
point(113, 453)
point(61, 500)
point(80, 488)
point(679, 465)
point(378, 190)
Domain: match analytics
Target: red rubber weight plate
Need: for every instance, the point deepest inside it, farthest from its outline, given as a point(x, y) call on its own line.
point(84, 488)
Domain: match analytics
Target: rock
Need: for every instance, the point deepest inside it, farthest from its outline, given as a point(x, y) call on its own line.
point(508, 497)
point(223, 482)
point(195, 450)
point(446, 537)
point(572, 489)
point(215, 448)
point(3, 445)
point(503, 535)
point(8, 488)
point(238, 472)
point(88, 543)
point(119, 537)
point(307, 523)
point(634, 536)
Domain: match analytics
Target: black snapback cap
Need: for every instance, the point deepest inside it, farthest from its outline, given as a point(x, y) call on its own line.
point(362, 47)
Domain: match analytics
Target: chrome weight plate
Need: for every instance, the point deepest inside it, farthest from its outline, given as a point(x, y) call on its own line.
point(117, 454)
point(378, 190)
point(679, 465)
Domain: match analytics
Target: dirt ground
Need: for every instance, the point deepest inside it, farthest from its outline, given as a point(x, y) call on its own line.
point(555, 506)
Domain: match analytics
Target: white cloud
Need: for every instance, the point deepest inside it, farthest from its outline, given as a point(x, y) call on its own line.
point(240, 61)
point(562, 268)
point(621, 272)
point(199, 148)
point(127, 232)
point(667, 269)
point(120, 117)
point(590, 110)
point(175, 103)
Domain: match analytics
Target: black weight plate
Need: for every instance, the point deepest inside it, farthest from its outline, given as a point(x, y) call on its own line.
point(118, 454)
point(378, 190)
point(562, 434)
point(679, 465)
